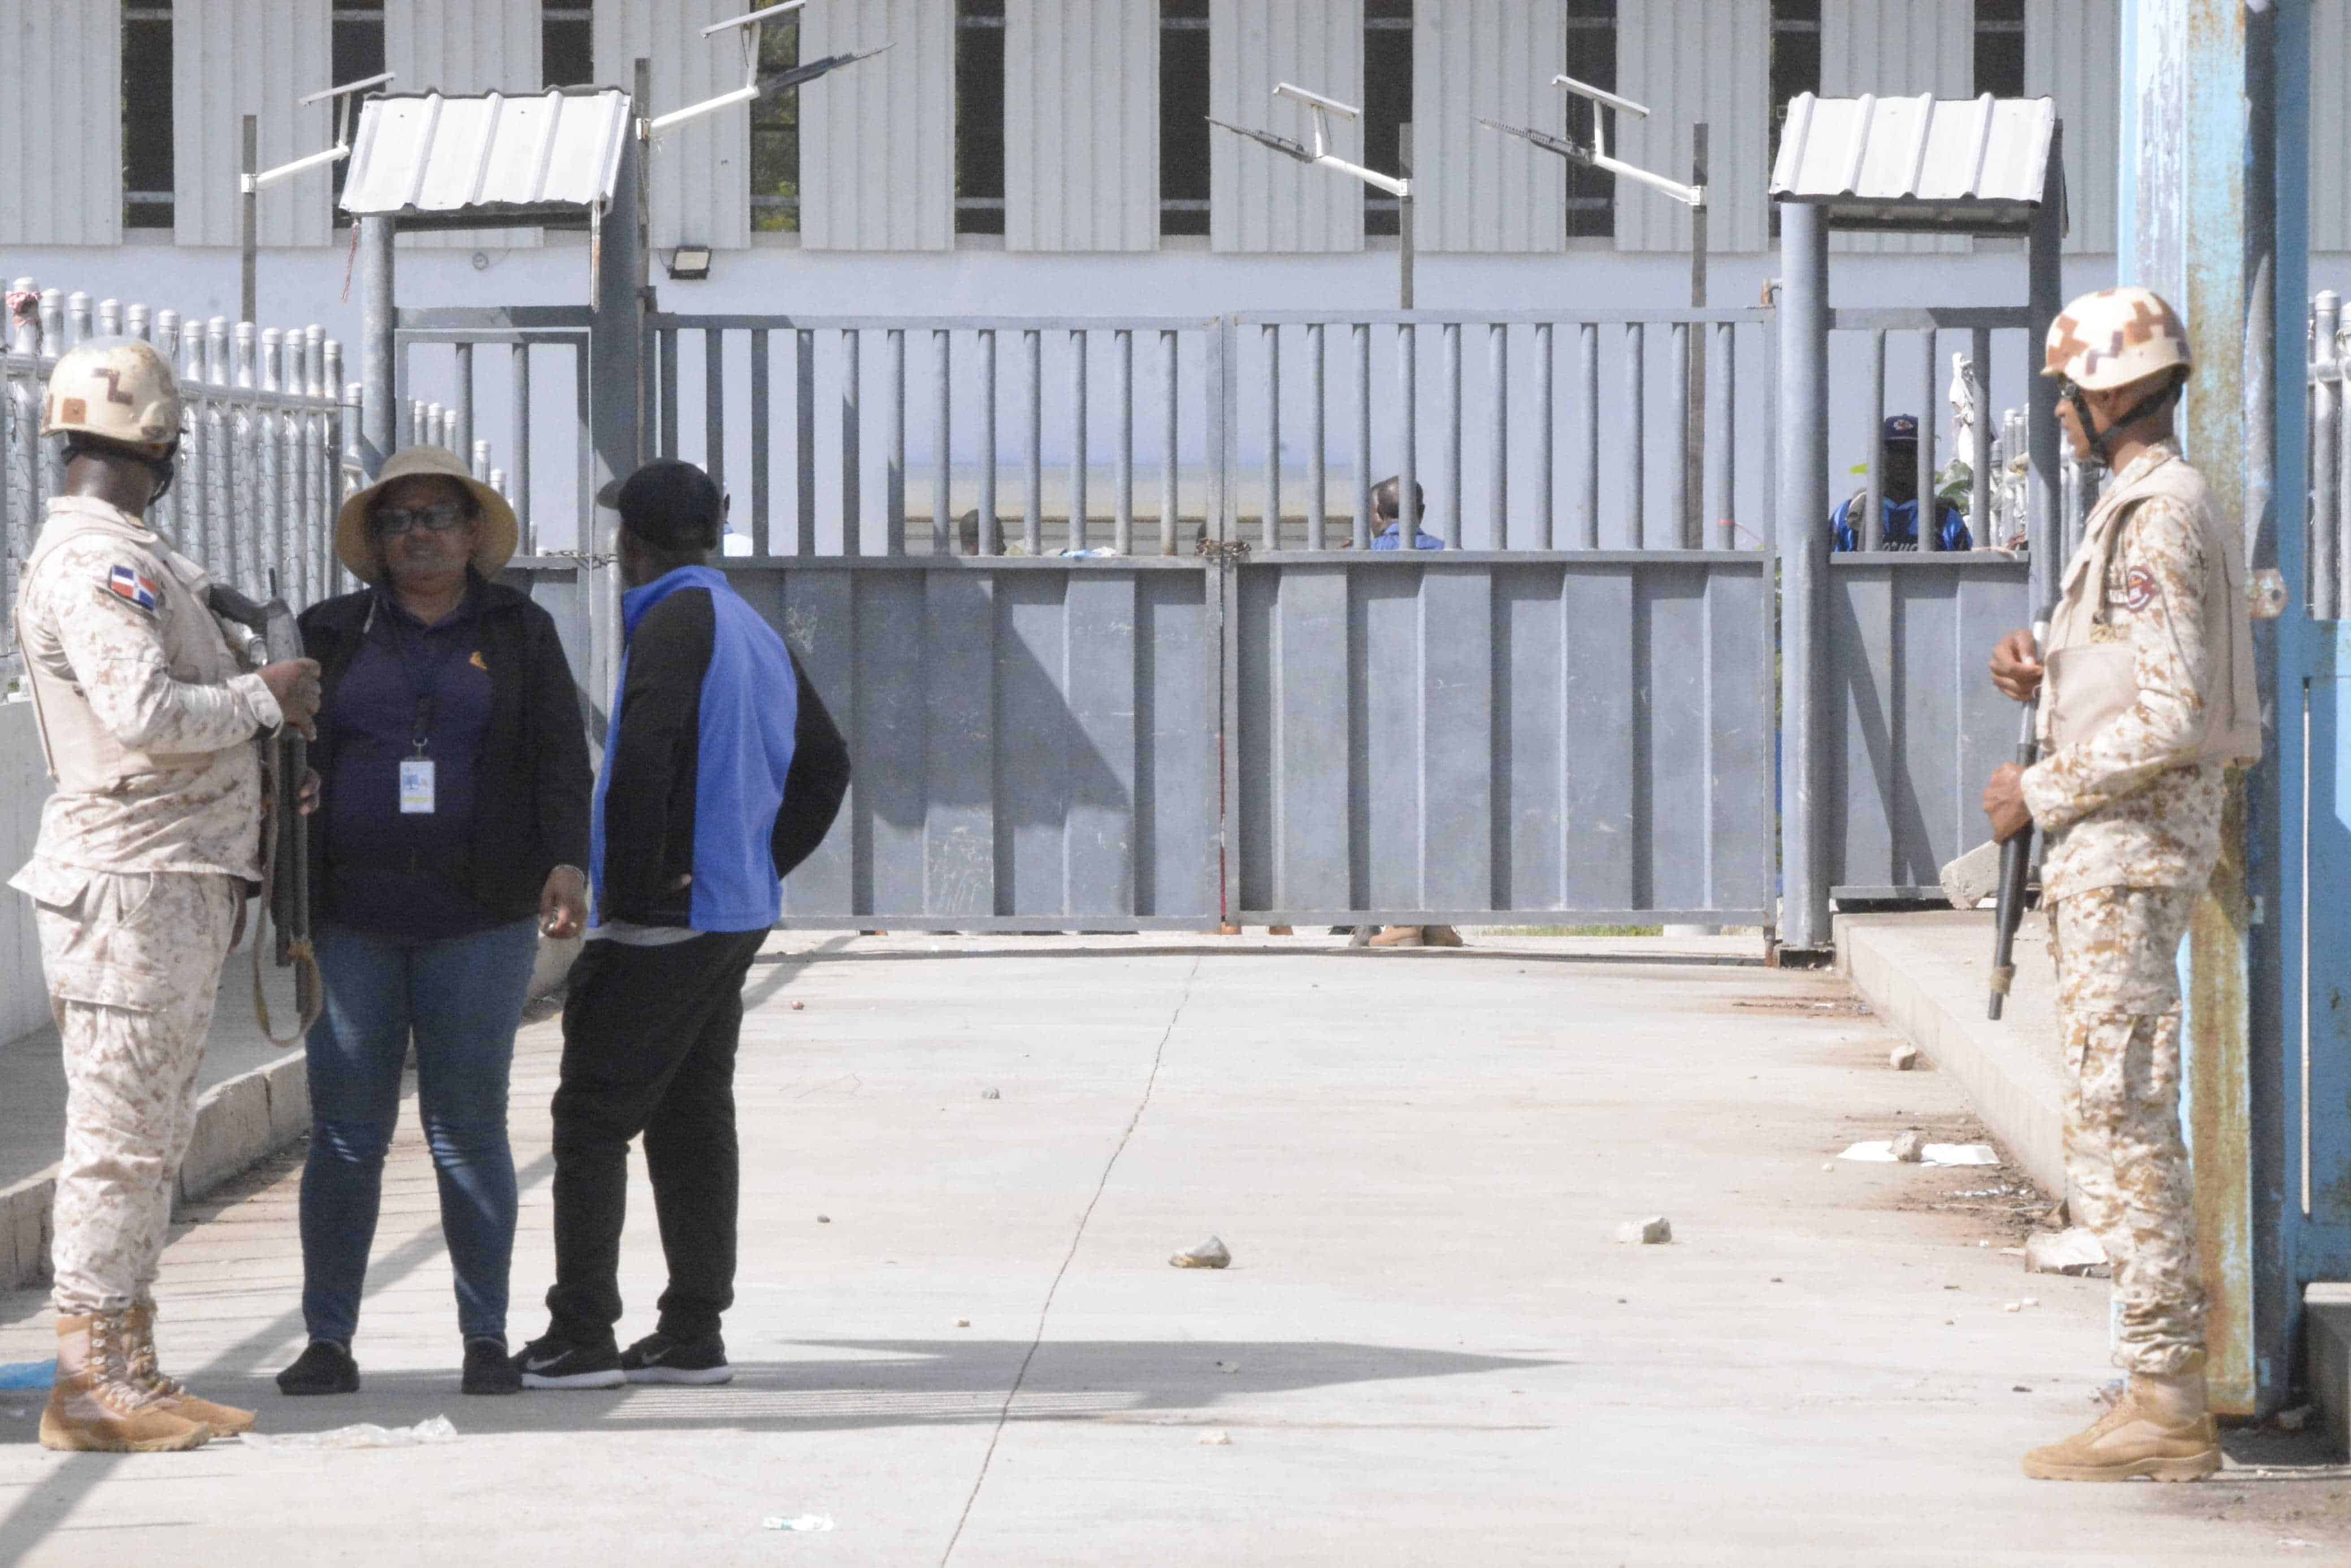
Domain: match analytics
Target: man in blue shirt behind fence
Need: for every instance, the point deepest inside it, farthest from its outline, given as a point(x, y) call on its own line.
point(722, 772)
point(1898, 517)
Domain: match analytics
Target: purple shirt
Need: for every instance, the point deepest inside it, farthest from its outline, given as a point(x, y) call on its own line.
point(397, 873)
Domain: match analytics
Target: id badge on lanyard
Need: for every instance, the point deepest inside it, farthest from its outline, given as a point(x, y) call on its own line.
point(416, 772)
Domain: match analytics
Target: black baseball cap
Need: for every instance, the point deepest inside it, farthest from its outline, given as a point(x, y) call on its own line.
point(670, 505)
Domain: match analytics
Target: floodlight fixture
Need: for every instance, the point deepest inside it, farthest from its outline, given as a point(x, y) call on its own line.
point(1596, 155)
point(748, 26)
point(690, 263)
point(342, 97)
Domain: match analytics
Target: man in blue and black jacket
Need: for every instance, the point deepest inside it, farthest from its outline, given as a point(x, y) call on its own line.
point(722, 772)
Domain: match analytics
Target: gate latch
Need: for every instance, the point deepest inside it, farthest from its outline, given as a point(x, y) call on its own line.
point(1220, 554)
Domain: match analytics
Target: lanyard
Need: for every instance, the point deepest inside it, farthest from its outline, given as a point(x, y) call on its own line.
point(425, 689)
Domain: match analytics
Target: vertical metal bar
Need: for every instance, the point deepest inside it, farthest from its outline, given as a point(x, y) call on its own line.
point(895, 477)
point(1409, 414)
point(991, 527)
point(2045, 293)
point(1637, 415)
point(481, 461)
point(518, 464)
point(465, 397)
point(1216, 442)
point(1720, 500)
point(943, 542)
point(247, 543)
point(1361, 519)
point(665, 347)
point(1980, 478)
point(1170, 501)
point(109, 319)
point(220, 433)
point(1122, 518)
point(1871, 532)
point(379, 419)
point(1803, 477)
point(248, 217)
point(78, 318)
point(1588, 510)
point(761, 535)
point(1497, 476)
point(1930, 505)
point(1451, 335)
point(1546, 443)
point(804, 442)
point(713, 407)
point(337, 426)
point(1318, 476)
point(1032, 517)
point(2325, 460)
point(355, 396)
point(1678, 476)
point(1079, 454)
point(1273, 521)
point(273, 533)
point(167, 343)
point(2341, 383)
point(853, 430)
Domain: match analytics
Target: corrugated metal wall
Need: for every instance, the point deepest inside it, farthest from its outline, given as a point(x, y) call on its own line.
point(2073, 52)
point(1258, 200)
point(1689, 60)
point(1081, 125)
point(2330, 124)
point(235, 57)
point(701, 171)
point(463, 46)
point(877, 141)
point(1897, 47)
point(1493, 192)
point(60, 119)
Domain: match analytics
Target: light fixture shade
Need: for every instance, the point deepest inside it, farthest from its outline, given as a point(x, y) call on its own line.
point(689, 263)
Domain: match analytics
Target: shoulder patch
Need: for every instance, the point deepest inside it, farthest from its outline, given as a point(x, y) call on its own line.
point(134, 587)
point(2138, 588)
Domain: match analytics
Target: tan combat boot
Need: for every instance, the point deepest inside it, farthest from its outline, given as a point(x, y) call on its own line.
point(94, 1407)
point(1398, 937)
point(147, 1371)
point(2159, 1428)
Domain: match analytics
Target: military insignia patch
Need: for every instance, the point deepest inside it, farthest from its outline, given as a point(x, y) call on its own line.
point(134, 587)
point(2140, 588)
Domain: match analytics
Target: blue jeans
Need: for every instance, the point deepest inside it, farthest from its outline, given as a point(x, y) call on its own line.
point(462, 998)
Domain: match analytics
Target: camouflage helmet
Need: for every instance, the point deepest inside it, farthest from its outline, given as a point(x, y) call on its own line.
point(2113, 338)
point(114, 389)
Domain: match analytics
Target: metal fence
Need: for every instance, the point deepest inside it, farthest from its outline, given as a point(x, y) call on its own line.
point(2329, 588)
point(261, 464)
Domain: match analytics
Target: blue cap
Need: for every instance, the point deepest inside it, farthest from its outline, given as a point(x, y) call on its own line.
point(1902, 428)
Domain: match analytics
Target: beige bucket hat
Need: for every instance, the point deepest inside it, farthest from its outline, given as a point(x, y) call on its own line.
point(498, 532)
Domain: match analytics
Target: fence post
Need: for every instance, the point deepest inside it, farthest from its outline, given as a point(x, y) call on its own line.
point(1804, 818)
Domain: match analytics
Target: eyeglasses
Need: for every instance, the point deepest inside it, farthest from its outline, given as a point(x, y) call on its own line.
point(393, 521)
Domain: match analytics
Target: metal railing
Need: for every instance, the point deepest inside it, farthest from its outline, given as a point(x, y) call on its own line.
point(261, 462)
point(457, 423)
point(2329, 362)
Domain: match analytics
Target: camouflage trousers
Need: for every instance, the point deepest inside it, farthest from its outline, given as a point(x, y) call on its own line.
point(133, 963)
point(2118, 1006)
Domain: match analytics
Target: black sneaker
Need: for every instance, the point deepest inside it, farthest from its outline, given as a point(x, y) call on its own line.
point(323, 1367)
point(553, 1363)
point(660, 1358)
point(489, 1369)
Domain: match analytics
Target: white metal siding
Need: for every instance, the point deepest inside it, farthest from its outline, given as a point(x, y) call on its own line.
point(2073, 53)
point(1897, 47)
point(2330, 125)
point(1490, 192)
point(1689, 60)
point(1258, 200)
point(877, 139)
point(465, 47)
point(60, 119)
point(701, 171)
point(235, 57)
point(1081, 125)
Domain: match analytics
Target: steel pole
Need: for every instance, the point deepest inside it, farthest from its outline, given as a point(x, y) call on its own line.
point(249, 221)
point(1404, 218)
point(1693, 523)
point(1803, 500)
point(379, 318)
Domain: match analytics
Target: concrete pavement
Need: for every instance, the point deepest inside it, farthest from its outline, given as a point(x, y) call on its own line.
point(1429, 1348)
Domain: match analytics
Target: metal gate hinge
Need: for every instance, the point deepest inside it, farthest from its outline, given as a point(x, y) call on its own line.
point(1221, 555)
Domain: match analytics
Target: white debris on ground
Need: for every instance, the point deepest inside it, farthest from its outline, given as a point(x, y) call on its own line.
point(809, 1521)
point(2075, 1252)
point(1908, 1148)
point(1902, 1058)
point(1882, 1152)
point(1209, 1254)
point(991, 1093)
point(366, 1435)
point(1219, 1439)
point(1653, 1231)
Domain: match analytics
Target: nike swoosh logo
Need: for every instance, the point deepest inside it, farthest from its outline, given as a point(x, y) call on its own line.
point(540, 1363)
point(652, 1356)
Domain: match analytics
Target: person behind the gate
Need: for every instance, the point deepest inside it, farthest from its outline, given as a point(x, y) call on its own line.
point(722, 772)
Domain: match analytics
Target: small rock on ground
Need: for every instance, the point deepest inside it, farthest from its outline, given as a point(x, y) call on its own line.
point(1909, 1148)
point(1653, 1231)
point(1902, 1058)
point(1209, 1254)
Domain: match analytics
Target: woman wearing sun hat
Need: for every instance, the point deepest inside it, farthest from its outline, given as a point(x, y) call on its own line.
point(452, 822)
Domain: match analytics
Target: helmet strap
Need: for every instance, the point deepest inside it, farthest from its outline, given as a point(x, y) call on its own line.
point(164, 469)
point(2101, 441)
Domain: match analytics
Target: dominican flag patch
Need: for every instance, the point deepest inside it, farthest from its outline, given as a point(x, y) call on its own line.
point(134, 586)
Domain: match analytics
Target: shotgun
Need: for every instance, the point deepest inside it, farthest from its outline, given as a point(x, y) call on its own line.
point(273, 638)
point(2016, 854)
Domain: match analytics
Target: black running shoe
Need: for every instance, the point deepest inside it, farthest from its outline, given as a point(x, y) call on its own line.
point(553, 1363)
point(489, 1369)
point(660, 1358)
point(324, 1367)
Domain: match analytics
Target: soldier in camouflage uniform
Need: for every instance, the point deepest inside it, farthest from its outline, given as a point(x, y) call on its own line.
point(2150, 700)
point(139, 879)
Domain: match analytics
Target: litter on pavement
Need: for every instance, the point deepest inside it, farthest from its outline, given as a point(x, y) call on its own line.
point(366, 1435)
point(814, 1522)
point(1653, 1231)
point(1209, 1254)
point(37, 1375)
point(2076, 1251)
point(1882, 1152)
